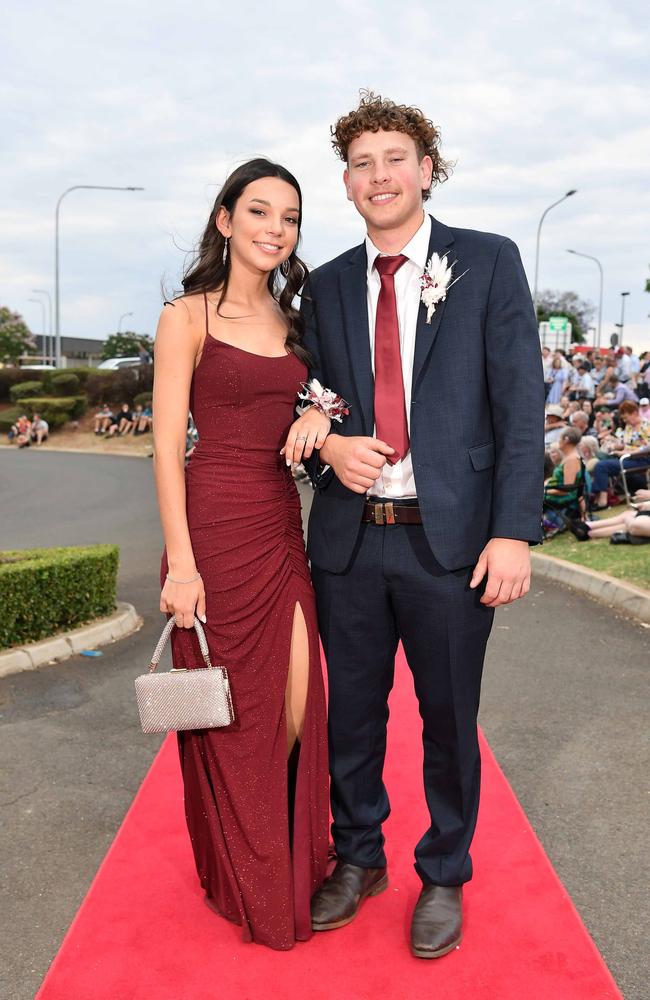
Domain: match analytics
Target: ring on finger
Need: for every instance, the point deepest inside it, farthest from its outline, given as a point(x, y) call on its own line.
point(303, 437)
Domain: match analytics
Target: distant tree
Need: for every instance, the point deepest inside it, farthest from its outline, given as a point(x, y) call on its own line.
point(647, 284)
point(577, 311)
point(15, 337)
point(126, 345)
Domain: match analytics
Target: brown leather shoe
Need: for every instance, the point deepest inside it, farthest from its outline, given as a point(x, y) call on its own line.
point(436, 927)
point(338, 900)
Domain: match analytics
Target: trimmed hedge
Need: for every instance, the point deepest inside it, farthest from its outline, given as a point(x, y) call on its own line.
point(45, 591)
point(81, 373)
point(142, 398)
point(64, 384)
point(121, 386)
point(12, 376)
point(25, 390)
point(56, 410)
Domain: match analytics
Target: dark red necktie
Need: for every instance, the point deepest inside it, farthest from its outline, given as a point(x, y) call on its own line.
point(390, 407)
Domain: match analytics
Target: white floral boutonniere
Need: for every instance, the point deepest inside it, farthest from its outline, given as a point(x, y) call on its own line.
point(435, 282)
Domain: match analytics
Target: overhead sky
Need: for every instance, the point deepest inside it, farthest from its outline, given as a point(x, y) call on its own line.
point(532, 100)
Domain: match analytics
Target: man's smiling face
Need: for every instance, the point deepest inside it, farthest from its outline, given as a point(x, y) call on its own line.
point(385, 179)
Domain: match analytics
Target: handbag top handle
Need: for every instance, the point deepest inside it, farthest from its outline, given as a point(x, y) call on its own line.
point(167, 631)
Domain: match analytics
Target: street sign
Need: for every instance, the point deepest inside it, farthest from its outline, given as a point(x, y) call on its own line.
point(555, 333)
point(558, 325)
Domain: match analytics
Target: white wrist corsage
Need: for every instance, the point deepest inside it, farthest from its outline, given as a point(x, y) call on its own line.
point(325, 400)
point(435, 282)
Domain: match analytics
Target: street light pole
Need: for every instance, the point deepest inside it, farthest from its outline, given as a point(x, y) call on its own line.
point(600, 298)
point(622, 323)
point(123, 316)
point(50, 344)
point(43, 327)
point(539, 230)
point(57, 295)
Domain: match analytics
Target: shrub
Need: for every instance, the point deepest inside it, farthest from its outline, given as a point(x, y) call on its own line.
point(64, 384)
point(56, 410)
point(9, 417)
point(24, 390)
point(120, 386)
point(142, 399)
point(45, 591)
point(12, 376)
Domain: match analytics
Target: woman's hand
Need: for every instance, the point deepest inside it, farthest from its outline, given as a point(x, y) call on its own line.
point(306, 433)
point(182, 600)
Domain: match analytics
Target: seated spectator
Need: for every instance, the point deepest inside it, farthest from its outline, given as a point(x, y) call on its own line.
point(589, 449)
point(632, 527)
point(580, 420)
point(588, 408)
point(554, 423)
point(569, 472)
point(615, 394)
point(585, 386)
point(18, 428)
point(103, 419)
point(122, 421)
point(635, 441)
point(40, 429)
point(564, 488)
point(644, 408)
point(142, 419)
point(21, 432)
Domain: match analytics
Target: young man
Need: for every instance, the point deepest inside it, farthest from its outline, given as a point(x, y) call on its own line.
point(423, 513)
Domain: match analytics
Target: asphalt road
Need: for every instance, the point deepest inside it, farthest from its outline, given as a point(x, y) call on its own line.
point(563, 701)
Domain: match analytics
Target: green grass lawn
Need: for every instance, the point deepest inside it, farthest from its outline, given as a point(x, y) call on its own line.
point(625, 562)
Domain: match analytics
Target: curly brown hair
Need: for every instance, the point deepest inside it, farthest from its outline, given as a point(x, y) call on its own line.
point(375, 113)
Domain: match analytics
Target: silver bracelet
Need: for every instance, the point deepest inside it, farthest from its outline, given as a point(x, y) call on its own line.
point(194, 578)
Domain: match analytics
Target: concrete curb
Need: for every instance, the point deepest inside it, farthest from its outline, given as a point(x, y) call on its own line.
point(625, 597)
point(84, 451)
point(60, 647)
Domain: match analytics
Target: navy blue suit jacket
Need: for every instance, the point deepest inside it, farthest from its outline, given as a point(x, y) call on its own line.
point(477, 409)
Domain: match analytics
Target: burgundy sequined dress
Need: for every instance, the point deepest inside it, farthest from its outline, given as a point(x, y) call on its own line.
point(244, 517)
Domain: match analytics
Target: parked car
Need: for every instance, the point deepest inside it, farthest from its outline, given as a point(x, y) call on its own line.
point(39, 368)
point(113, 364)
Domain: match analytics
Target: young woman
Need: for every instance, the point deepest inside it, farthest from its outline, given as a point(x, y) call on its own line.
point(230, 351)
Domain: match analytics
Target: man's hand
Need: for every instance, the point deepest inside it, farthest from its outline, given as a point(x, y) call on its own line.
point(507, 564)
point(357, 461)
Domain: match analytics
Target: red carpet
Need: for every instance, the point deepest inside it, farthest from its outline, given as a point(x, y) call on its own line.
point(144, 933)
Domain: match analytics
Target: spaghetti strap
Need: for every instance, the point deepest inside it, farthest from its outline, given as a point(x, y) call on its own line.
point(205, 300)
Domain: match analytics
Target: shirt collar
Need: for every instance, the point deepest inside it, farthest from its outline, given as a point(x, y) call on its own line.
point(416, 249)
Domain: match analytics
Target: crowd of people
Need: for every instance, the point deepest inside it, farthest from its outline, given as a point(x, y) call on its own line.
point(126, 420)
point(107, 421)
point(26, 432)
point(597, 428)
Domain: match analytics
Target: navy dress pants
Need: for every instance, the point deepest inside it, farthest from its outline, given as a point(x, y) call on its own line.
point(395, 589)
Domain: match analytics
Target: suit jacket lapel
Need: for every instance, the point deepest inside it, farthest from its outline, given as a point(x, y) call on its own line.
point(354, 298)
point(426, 333)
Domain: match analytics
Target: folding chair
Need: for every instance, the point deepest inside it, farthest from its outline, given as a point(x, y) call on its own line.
point(624, 473)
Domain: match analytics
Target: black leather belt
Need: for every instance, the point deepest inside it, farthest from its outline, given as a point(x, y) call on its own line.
point(391, 512)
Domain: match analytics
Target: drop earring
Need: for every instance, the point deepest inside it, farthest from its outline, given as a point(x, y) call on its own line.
point(285, 267)
point(224, 256)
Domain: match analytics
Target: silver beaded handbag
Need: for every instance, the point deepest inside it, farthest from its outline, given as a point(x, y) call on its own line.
point(184, 699)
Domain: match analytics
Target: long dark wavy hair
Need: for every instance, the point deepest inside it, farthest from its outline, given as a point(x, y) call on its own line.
point(208, 270)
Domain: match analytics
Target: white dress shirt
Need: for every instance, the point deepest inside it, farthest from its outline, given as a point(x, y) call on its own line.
point(398, 481)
